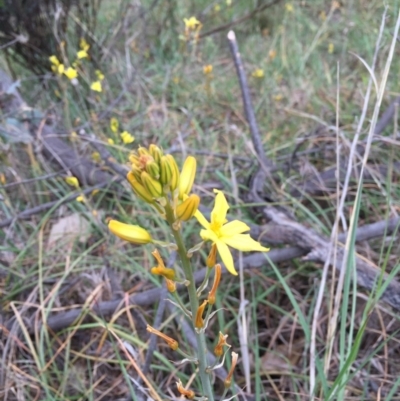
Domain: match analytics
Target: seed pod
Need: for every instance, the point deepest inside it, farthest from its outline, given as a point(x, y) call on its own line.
point(153, 186)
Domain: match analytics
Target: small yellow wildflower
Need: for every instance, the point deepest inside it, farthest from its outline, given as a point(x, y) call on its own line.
point(114, 125)
point(127, 137)
point(71, 73)
point(278, 97)
point(73, 181)
point(99, 75)
point(110, 141)
point(84, 45)
point(228, 2)
point(73, 135)
point(217, 8)
point(258, 73)
point(191, 23)
point(331, 48)
point(96, 86)
point(322, 15)
point(54, 60)
point(82, 54)
point(94, 192)
point(207, 69)
point(222, 233)
point(80, 198)
point(289, 7)
point(96, 157)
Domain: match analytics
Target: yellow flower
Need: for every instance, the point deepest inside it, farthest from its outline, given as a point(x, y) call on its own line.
point(54, 60)
point(331, 48)
point(84, 45)
point(228, 2)
point(71, 73)
point(96, 157)
point(80, 198)
point(110, 141)
point(73, 181)
point(191, 23)
point(114, 125)
point(99, 75)
point(289, 7)
point(82, 54)
point(222, 233)
point(217, 8)
point(258, 73)
point(207, 69)
point(128, 232)
point(127, 137)
point(96, 86)
point(60, 69)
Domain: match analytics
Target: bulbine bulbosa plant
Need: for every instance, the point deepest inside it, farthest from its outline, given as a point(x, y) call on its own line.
point(156, 179)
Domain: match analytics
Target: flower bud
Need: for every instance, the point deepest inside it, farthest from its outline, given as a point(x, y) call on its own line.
point(171, 286)
point(153, 169)
point(187, 176)
point(156, 152)
point(131, 233)
point(139, 189)
point(153, 186)
point(143, 151)
point(175, 172)
point(188, 208)
point(165, 171)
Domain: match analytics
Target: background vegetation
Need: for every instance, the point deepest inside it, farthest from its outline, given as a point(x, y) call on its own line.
point(306, 63)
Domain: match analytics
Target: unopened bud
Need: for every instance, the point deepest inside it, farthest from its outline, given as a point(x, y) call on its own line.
point(143, 151)
point(153, 186)
point(171, 286)
point(188, 208)
point(153, 169)
point(156, 152)
point(165, 171)
point(139, 189)
point(174, 182)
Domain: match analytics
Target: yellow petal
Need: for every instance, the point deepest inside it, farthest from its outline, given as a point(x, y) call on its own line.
point(201, 219)
point(233, 228)
point(114, 125)
point(208, 235)
point(221, 207)
point(128, 232)
point(226, 257)
point(243, 242)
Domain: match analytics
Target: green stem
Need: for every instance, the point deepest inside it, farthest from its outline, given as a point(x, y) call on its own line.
point(194, 305)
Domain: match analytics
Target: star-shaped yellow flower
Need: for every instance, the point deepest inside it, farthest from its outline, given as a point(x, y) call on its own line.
point(224, 234)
